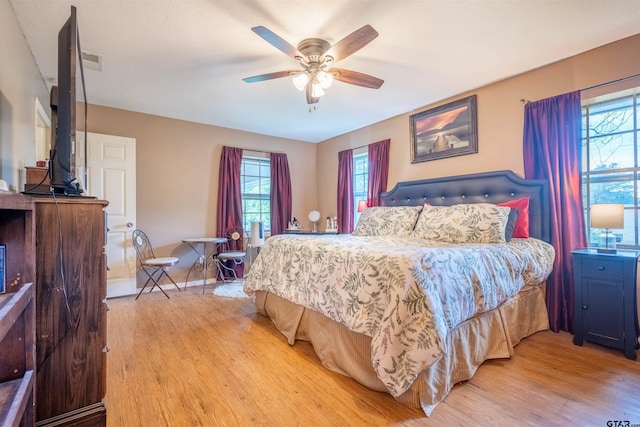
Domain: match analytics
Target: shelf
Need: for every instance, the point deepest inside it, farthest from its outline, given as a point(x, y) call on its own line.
point(17, 311)
point(12, 306)
point(14, 398)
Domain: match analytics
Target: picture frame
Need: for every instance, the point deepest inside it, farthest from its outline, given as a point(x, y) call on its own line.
point(3, 265)
point(448, 130)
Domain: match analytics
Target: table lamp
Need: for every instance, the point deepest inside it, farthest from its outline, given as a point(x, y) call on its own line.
point(362, 205)
point(607, 216)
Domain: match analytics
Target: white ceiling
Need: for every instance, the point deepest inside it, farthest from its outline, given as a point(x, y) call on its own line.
point(185, 59)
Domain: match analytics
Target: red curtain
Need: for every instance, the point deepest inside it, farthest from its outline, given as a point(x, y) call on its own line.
point(280, 193)
point(553, 151)
point(345, 191)
point(229, 213)
point(378, 171)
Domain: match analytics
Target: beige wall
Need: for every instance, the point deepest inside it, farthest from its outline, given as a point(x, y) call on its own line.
point(500, 120)
point(177, 173)
point(20, 84)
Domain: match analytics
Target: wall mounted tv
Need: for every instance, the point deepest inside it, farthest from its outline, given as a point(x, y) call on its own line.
point(62, 163)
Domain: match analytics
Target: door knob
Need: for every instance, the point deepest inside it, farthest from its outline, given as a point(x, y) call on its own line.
point(129, 224)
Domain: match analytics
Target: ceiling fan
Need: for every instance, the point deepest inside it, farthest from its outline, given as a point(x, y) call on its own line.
point(315, 57)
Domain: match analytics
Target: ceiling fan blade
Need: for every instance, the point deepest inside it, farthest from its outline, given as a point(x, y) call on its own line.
point(311, 99)
point(356, 78)
point(269, 76)
point(276, 41)
point(352, 43)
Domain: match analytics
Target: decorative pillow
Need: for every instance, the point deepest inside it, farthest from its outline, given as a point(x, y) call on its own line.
point(387, 221)
point(511, 224)
point(522, 224)
point(465, 223)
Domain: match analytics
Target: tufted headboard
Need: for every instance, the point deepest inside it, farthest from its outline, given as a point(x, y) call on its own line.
point(489, 187)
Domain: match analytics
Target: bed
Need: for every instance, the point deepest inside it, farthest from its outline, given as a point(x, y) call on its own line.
point(405, 307)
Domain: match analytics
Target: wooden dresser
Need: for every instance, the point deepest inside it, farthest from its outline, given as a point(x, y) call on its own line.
point(71, 321)
point(17, 309)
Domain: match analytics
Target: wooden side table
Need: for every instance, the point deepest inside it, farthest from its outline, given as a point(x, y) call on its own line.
point(605, 303)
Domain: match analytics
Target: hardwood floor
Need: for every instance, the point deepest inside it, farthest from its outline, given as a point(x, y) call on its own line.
point(205, 360)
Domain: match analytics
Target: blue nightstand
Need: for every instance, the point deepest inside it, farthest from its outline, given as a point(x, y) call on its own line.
point(605, 306)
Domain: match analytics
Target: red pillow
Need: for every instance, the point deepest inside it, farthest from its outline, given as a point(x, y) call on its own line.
point(522, 223)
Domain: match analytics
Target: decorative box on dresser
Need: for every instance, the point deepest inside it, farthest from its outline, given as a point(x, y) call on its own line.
point(605, 298)
point(17, 311)
point(71, 327)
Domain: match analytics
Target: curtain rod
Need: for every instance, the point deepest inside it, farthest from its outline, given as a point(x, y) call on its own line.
point(261, 151)
point(610, 83)
point(526, 101)
point(365, 145)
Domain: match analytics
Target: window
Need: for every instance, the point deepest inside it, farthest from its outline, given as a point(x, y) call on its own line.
point(360, 181)
point(255, 186)
point(610, 166)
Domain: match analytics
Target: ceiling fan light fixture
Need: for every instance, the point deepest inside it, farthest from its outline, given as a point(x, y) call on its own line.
point(325, 79)
point(300, 80)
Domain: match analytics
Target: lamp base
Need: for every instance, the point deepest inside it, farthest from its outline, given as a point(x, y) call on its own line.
point(607, 251)
point(607, 243)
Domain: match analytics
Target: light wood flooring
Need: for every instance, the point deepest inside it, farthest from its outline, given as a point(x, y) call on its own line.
point(205, 360)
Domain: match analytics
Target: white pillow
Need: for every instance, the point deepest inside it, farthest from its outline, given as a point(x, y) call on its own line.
point(387, 221)
point(465, 223)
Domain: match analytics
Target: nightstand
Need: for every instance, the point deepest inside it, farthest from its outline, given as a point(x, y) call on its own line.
point(605, 291)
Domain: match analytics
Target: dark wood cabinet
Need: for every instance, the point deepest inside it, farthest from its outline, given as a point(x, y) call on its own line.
point(605, 291)
point(71, 328)
point(17, 311)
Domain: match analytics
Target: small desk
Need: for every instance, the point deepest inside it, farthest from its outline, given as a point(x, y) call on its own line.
point(194, 244)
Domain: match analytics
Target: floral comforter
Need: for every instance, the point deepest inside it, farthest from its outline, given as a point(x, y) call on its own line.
point(405, 293)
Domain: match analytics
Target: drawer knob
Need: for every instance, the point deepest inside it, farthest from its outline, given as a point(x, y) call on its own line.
point(584, 307)
point(601, 267)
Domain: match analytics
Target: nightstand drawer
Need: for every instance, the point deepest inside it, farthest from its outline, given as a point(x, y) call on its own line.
point(602, 269)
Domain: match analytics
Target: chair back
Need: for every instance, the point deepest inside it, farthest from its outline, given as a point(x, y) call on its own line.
point(142, 245)
point(235, 236)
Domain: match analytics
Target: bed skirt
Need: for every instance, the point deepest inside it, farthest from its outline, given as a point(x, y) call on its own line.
point(490, 335)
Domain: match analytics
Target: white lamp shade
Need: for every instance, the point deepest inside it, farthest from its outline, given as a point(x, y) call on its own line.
point(300, 80)
point(325, 79)
point(316, 89)
point(607, 216)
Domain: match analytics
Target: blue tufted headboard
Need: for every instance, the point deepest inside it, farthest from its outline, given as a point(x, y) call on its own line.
point(489, 187)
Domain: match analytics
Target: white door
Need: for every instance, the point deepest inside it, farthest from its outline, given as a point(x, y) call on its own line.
point(111, 175)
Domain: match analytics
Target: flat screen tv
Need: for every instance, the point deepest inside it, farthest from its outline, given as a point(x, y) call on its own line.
point(62, 158)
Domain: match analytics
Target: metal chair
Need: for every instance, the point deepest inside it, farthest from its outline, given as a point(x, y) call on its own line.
point(153, 266)
point(231, 256)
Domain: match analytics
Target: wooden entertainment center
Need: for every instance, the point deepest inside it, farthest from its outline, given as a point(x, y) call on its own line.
point(71, 312)
point(65, 259)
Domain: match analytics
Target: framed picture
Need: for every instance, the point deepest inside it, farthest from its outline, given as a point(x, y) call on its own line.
point(445, 131)
point(3, 257)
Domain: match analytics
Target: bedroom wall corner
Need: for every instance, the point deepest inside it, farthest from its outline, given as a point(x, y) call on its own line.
point(177, 174)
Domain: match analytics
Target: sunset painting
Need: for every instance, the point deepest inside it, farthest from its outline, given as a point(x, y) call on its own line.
point(445, 131)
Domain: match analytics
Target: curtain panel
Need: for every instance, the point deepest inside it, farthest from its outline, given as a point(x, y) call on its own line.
point(229, 212)
point(552, 150)
point(378, 171)
point(345, 191)
point(280, 193)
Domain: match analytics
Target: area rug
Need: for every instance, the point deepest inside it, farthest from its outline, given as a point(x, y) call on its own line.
point(230, 290)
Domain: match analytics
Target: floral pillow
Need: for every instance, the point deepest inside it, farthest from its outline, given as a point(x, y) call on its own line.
point(387, 221)
point(465, 223)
